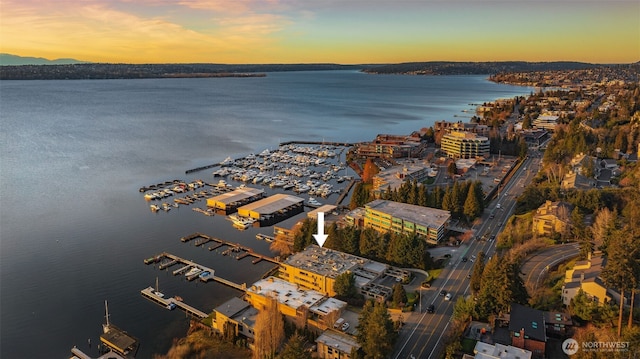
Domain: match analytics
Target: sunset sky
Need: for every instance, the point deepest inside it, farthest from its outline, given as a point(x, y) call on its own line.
point(336, 31)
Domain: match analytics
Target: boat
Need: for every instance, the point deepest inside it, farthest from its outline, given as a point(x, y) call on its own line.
point(154, 208)
point(156, 292)
point(204, 274)
point(171, 306)
point(193, 271)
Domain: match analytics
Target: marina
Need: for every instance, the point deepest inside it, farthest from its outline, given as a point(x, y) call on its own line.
point(192, 270)
point(201, 239)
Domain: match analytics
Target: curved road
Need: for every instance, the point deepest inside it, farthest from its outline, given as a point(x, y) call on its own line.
point(536, 266)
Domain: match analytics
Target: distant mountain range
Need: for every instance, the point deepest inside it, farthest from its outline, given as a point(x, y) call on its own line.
point(15, 60)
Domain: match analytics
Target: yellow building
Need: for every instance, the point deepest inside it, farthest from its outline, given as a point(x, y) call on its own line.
point(299, 306)
point(234, 318)
point(585, 276)
point(316, 269)
point(335, 345)
point(389, 216)
point(552, 217)
point(463, 144)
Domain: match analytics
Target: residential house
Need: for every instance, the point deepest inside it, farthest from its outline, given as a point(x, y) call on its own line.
point(574, 180)
point(527, 330)
point(585, 276)
point(552, 217)
point(498, 351)
point(235, 318)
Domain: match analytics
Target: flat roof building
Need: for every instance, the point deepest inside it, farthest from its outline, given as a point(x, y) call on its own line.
point(273, 209)
point(463, 144)
point(231, 200)
point(298, 305)
point(385, 216)
point(316, 268)
point(332, 344)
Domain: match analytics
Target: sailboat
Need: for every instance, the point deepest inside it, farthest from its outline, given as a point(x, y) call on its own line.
point(157, 292)
point(117, 339)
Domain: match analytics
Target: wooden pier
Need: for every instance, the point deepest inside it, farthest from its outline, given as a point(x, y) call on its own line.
point(171, 259)
point(233, 247)
point(150, 294)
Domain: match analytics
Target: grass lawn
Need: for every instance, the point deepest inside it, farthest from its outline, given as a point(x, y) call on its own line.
point(468, 344)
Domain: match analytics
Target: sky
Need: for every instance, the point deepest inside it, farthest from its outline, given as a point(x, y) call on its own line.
point(322, 31)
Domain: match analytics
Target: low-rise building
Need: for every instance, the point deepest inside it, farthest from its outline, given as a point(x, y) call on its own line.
point(585, 276)
point(395, 176)
point(574, 180)
point(463, 144)
point(390, 146)
point(316, 268)
point(546, 122)
point(390, 216)
point(299, 306)
point(498, 351)
point(335, 345)
point(552, 217)
point(527, 329)
point(234, 318)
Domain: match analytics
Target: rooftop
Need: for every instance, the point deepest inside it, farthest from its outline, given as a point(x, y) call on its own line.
point(294, 297)
point(272, 204)
point(232, 307)
point(330, 263)
point(488, 351)
point(528, 319)
point(343, 342)
point(430, 217)
point(237, 195)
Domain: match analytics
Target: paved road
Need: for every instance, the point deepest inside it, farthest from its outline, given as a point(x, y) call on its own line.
point(535, 267)
point(421, 336)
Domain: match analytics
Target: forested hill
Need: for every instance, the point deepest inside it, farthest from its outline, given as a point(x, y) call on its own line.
point(135, 71)
point(475, 68)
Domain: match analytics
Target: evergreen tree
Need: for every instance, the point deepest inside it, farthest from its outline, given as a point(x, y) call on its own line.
point(376, 334)
point(472, 208)
point(345, 285)
point(294, 349)
point(476, 273)
point(399, 295)
point(304, 237)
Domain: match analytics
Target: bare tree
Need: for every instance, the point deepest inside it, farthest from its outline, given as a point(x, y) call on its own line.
point(269, 330)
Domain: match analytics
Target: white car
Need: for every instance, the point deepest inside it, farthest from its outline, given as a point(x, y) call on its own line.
point(448, 296)
point(345, 326)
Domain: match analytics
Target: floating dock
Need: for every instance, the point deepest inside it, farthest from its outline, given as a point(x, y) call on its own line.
point(171, 259)
point(149, 293)
point(233, 247)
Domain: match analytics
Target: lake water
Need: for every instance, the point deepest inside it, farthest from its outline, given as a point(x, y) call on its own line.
point(74, 229)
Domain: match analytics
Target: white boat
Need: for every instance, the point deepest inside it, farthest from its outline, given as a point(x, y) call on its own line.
point(193, 271)
point(154, 208)
point(222, 183)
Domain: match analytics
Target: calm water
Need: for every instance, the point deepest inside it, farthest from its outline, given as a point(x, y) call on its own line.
point(74, 229)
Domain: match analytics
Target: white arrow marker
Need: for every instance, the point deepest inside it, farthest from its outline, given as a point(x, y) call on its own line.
point(320, 237)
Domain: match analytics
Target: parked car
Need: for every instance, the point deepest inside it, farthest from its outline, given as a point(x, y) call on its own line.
point(345, 326)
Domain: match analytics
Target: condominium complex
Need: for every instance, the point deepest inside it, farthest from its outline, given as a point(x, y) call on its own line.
point(385, 216)
point(462, 144)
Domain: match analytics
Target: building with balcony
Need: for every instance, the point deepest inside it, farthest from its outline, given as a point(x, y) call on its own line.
point(316, 268)
point(390, 146)
point(462, 144)
point(299, 306)
point(585, 276)
point(552, 217)
point(390, 216)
